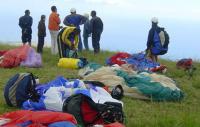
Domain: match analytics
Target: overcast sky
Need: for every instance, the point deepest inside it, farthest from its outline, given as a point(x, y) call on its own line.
point(178, 9)
point(126, 21)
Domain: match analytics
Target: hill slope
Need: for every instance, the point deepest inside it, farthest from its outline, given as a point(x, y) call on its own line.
point(138, 113)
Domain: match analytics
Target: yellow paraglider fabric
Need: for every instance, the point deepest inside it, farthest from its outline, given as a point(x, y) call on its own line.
point(66, 34)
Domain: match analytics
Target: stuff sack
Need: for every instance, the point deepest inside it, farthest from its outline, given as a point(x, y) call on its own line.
point(72, 63)
point(20, 88)
point(88, 113)
point(160, 42)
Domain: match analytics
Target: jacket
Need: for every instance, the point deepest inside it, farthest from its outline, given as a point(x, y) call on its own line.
point(25, 22)
point(54, 21)
point(41, 29)
point(74, 20)
point(96, 25)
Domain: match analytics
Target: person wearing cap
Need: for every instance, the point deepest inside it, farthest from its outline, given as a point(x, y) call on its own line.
point(150, 40)
point(25, 23)
point(86, 31)
point(54, 22)
point(41, 34)
point(75, 20)
point(96, 28)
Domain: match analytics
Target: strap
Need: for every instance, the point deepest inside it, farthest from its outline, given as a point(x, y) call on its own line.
point(33, 93)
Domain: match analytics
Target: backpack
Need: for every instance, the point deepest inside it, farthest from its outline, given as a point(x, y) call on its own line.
point(160, 42)
point(20, 88)
point(88, 113)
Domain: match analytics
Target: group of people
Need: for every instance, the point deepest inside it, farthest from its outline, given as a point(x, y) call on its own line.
point(93, 28)
point(157, 43)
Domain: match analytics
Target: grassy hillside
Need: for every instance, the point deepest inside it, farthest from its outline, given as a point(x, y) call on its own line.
point(138, 113)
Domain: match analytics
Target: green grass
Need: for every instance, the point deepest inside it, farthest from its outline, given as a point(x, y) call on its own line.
point(138, 113)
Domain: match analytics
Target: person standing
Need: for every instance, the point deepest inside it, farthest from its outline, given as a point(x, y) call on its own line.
point(25, 23)
point(96, 27)
point(54, 22)
point(86, 31)
point(158, 40)
point(41, 34)
point(75, 20)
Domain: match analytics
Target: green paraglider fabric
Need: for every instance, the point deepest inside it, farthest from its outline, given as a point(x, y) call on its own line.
point(155, 90)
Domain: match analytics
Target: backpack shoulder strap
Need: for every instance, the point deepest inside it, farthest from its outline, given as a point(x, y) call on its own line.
point(33, 92)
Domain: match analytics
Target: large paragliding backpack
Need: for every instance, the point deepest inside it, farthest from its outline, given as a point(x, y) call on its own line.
point(160, 42)
point(20, 88)
point(88, 113)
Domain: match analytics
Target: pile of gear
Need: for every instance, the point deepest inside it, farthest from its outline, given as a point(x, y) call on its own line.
point(93, 99)
point(139, 62)
point(89, 102)
point(187, 65)
point(21, 56)
point(72, 63)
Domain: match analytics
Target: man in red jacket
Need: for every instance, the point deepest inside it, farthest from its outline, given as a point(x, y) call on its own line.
point(54, 22)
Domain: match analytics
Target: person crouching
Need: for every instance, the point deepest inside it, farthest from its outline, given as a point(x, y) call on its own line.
point(68, 39)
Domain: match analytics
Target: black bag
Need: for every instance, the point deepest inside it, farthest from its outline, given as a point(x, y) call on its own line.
point(87, 112)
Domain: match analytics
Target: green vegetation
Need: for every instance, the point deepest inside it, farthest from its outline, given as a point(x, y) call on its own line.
point(138, 113)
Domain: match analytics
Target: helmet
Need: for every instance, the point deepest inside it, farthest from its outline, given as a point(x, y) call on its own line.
point(72, 10)
point(117, 92)
point(154, 20)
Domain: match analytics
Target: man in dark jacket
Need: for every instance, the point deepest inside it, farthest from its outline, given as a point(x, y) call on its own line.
point(25, 22)
point(150, 40)
point(75, 20)
point(41, 34)
point(96, 27)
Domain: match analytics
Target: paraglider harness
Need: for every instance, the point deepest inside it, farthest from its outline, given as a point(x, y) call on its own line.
point(68, 42)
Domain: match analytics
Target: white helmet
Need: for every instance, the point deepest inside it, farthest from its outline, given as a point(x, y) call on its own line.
point(154, 20)
point(72, 10)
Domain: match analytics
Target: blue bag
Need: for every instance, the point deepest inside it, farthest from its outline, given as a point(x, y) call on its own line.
point(160, 42)
point(20, 88)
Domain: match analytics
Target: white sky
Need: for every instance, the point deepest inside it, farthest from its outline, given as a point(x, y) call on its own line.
point(176, 9)
point(125, 21)
point(162, 8)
